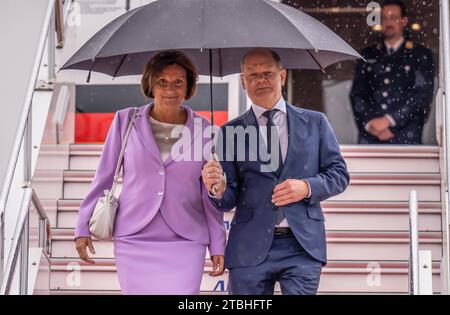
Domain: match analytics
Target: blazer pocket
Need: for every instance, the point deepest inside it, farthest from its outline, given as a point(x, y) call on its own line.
point(242, 215)
point(315, 212)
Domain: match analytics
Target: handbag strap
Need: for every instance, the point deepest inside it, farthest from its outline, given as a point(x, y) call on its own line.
point(122, 150)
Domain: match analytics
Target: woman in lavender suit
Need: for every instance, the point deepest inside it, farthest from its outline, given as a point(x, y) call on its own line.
point(165, 220)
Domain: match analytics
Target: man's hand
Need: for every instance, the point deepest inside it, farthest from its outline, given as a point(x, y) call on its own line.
point(386, 135)
point(218, 266)
point(379, 125)
point(81, 244)
point(212, 177)
point(290, 191)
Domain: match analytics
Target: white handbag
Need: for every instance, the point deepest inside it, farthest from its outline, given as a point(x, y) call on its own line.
point(101, 223)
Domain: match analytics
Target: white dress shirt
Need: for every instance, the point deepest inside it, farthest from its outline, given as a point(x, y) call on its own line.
point(395, 47)
point(280, 120)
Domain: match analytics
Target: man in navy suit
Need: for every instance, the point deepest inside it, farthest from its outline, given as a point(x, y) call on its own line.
point(290, 163)
point(393, 89)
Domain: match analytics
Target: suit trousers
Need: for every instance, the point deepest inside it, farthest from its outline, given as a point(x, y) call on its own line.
point(287, 262)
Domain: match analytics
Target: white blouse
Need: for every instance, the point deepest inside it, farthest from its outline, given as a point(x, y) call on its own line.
point(162, 132)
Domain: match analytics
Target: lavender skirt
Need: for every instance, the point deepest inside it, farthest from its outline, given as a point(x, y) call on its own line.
point(156, 260)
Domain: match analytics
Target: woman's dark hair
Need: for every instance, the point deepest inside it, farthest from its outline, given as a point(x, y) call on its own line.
point(159, 62)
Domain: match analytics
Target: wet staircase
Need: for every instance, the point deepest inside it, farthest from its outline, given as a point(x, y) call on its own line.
point(367, 226)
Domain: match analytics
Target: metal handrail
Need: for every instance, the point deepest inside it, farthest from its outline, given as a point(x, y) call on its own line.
point(51, 45)
point(24, 117)
point(20, 241)
point(44, 224)
point(413, 245)
point(23, 138)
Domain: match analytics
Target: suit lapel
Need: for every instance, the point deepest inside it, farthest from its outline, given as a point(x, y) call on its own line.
point(195, 129)
point(250, 120)
point(297, 133)
point(145, 133)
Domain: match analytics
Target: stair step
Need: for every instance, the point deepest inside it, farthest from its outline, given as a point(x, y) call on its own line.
point(363, 187)
point(367, 226)
point(337, 277)
point(361, 216)
point(85, 292)
point(341, 245)
point(118, 292)
point(73, 275)
point(111, 292)
point(359, 160)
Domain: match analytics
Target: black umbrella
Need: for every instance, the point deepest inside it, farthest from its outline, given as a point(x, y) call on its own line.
point(215, 34)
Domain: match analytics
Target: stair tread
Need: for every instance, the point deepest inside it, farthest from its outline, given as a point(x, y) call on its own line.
point(367, 151)
point(342, 239)
point(357, 265)
point(59, 232)
point(359, 175)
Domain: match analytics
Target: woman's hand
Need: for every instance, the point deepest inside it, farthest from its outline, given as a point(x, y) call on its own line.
point(212, 175)
point(81, 244)
point(218, 266)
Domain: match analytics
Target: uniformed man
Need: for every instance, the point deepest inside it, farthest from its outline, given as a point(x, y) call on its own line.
point(393, 90)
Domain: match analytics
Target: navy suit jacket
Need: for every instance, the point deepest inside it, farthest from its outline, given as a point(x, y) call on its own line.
point(401, 85)
point(313, 155)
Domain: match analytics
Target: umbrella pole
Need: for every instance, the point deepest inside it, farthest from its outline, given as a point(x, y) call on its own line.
point(213, 148)
point(214, 156)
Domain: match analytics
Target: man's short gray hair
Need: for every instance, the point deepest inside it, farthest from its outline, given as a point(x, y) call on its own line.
point(276, 57)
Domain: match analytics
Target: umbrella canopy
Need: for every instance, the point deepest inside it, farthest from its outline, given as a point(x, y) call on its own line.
point(210, 31)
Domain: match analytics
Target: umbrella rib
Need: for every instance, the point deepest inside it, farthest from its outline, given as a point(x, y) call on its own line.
point(120, 65)
point(286, 18)
point(274, 4)
point(88, 79)
point(129, 13)
point(136, 10)
point(315, 59)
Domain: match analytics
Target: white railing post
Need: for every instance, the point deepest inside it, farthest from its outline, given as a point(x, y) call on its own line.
point(445, 42)
point(413, 245)
point(24, 241)
point(27, 148)
point(24, 245)
point(2, 244)
point(425, 272)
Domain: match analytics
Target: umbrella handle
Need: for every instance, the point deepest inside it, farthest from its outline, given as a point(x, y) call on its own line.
point(215, 188)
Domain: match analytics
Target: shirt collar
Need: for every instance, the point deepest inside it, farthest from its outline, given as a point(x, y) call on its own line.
point(396, 46)
point(259, 110)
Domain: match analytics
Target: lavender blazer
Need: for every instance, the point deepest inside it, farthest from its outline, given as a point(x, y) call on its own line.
point(174, 187)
